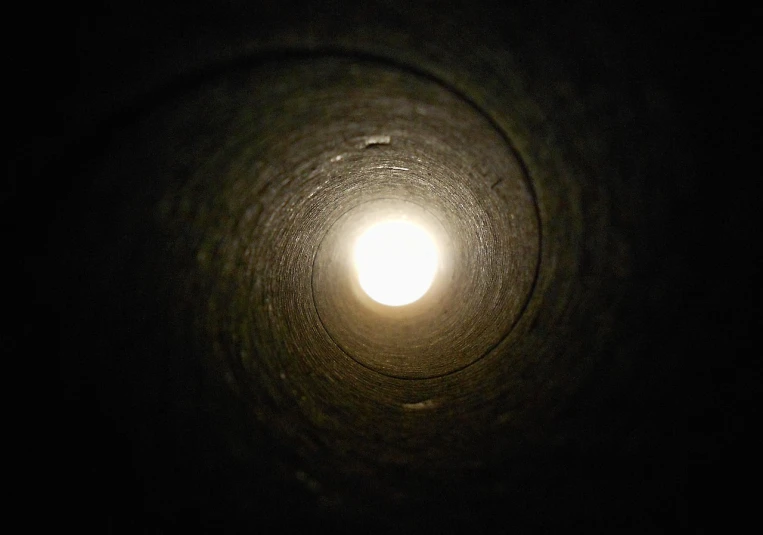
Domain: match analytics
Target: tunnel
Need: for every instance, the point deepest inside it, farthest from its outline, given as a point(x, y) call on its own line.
point(202, 174)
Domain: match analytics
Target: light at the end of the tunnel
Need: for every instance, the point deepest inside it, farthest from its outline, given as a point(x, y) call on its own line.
point(396, 262)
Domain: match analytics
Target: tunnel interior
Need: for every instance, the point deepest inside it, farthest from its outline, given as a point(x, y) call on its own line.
point(206, 174)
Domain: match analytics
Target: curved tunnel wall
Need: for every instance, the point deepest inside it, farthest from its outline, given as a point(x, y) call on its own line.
point(236, 380)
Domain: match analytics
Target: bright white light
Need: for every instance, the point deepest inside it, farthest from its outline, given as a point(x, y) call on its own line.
point(396, 262)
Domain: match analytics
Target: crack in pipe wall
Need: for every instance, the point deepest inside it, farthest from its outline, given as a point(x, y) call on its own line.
point(212, 350)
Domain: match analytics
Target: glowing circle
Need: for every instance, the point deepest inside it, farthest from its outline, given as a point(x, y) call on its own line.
point(396, 262)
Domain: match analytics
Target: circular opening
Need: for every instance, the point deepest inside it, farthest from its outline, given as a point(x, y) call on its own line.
point(413, 153)
point(396, 262)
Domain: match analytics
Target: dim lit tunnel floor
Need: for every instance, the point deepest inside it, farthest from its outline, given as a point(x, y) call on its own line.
point(222, 371)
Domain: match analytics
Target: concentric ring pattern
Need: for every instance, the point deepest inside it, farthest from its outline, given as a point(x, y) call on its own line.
point(263, 178)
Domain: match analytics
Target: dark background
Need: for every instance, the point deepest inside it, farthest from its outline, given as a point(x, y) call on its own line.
point(80, 71)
